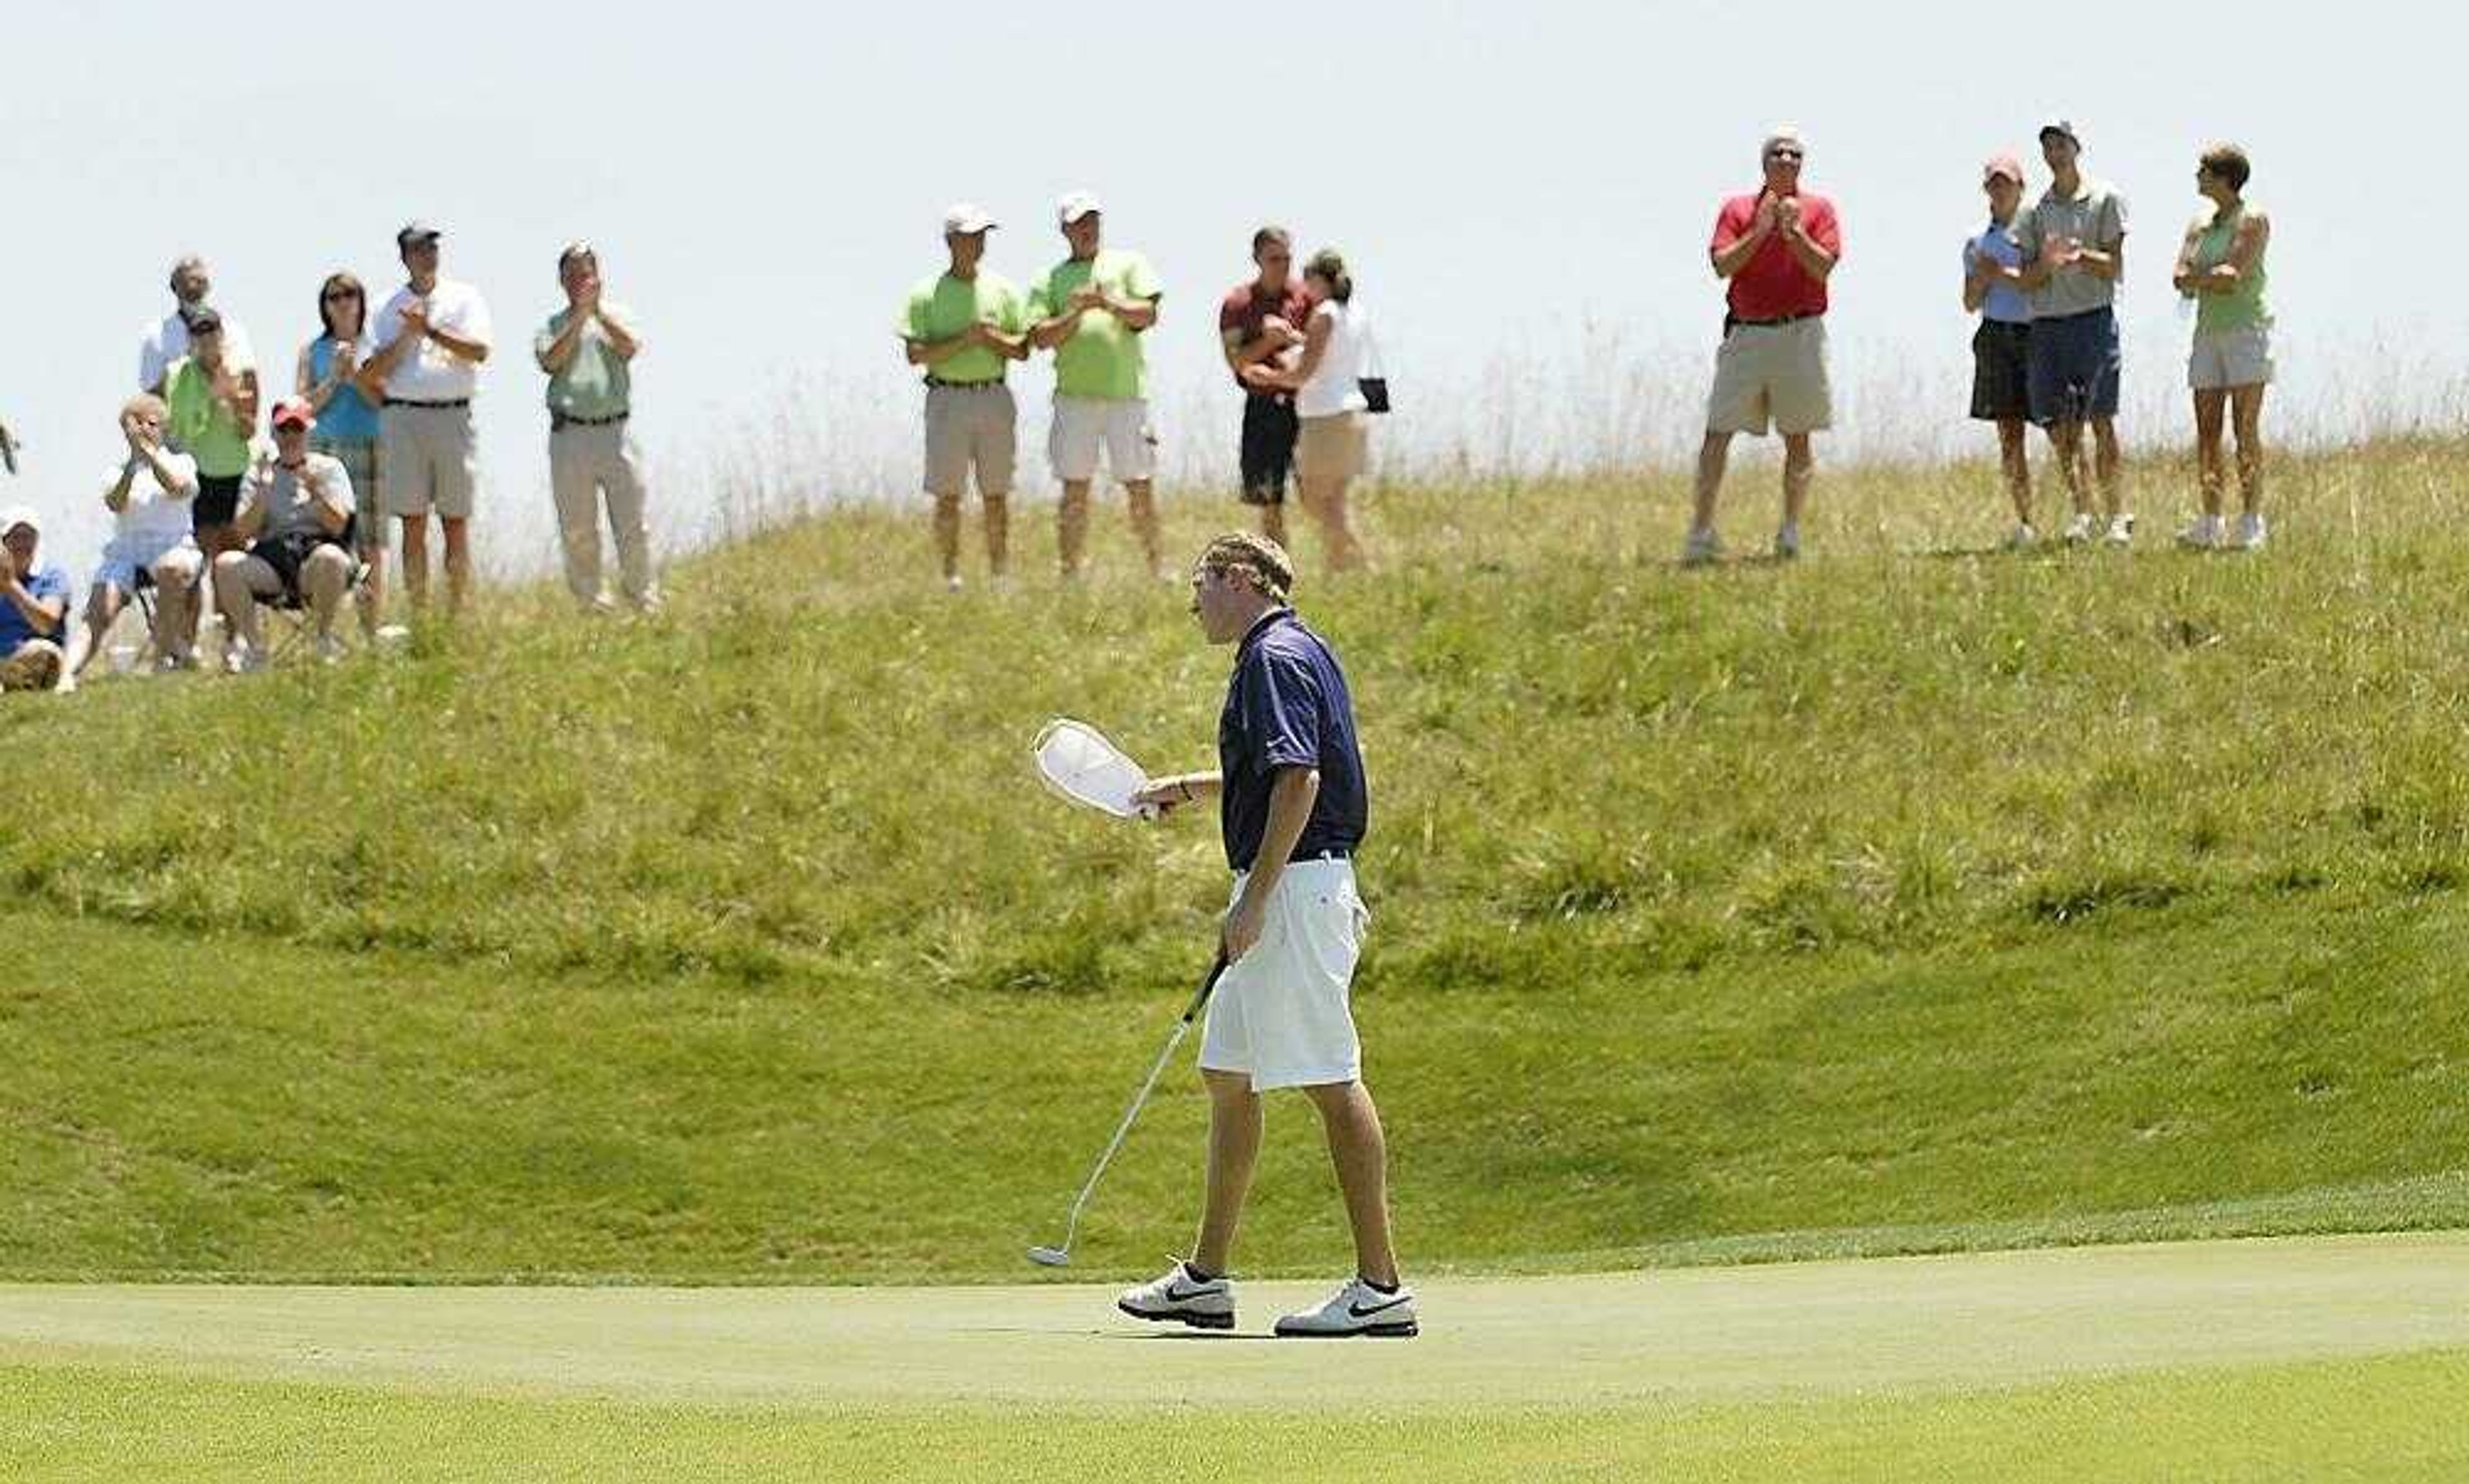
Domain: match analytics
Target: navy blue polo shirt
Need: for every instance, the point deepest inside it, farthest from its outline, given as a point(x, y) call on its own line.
point(1287, 707)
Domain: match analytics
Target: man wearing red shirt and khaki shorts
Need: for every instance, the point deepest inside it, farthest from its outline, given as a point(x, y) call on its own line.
point(1777, 248)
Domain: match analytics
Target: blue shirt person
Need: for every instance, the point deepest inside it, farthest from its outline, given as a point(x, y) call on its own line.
point(1287, 707)
point(34, 607)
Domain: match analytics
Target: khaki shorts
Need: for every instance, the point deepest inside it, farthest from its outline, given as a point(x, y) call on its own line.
point(2232, 357)
point(428, 459)
point(1084, 426)
point(358, 458)
point(1772, 376)
point(970, 427)
point(1336, 446)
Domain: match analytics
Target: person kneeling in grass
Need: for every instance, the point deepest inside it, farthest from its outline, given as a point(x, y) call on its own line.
point(33, 608)
point(1292, 808)
point(295, 526)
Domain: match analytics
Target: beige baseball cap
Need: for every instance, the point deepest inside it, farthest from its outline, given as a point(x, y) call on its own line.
point(966, 218)
point(1077, 205)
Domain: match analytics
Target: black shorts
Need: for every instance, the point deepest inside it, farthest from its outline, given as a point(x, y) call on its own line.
point(1270, 427)
point(2002, 372)
point(218, 501)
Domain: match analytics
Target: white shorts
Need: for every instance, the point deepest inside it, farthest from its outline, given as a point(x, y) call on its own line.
point(123, 558)
point(1282, 1013)
point(1084, 425)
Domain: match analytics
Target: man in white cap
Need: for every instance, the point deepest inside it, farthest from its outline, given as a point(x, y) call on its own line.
point(589, 349)
point(164, 343)
point(432, 337)
point(1092, 310)
point(34, 607)
point(2074, 254)
point(1777, 247)
point(964, 327)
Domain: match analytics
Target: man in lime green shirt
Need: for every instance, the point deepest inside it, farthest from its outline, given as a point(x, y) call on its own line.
point(1092, 310)
point(965, 326)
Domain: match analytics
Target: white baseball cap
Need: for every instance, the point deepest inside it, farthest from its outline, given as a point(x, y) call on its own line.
point(17, 516)
point(1782, 134)
point(2061, 124)
point(1077, 205)
point(966, 218)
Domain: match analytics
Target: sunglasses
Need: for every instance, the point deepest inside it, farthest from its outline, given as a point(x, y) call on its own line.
point(1793, 155)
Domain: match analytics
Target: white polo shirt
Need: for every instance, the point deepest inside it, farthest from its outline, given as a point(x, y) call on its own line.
point(432, 373)
point(164, 343)
point(154, 518)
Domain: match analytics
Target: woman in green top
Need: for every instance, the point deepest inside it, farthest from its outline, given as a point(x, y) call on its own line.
point(2221, 269)
point(214, 411)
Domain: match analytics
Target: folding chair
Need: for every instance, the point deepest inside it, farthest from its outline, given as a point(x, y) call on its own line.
point(290, 609)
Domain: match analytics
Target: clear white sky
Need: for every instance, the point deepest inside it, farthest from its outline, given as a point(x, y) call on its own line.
point(1526, 192)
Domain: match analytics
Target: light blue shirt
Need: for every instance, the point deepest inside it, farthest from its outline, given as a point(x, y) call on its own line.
point(2005, 303)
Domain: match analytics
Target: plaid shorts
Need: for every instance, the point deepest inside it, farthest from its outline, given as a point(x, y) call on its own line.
point(358, 458)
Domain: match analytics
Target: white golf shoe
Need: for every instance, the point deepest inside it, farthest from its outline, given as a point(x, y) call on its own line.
point(1702, 547)
point(2252, 533)
point(1180, 1298)
point(1356, 1308)
point(1787, 547)
point(2204, 534)
point(2121, 530)
point(2023, 537)
point(2081, 528)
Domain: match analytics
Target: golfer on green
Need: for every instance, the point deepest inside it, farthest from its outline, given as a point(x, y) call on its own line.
point(1292, 806)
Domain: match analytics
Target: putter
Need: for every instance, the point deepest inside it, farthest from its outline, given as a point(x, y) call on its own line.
point(1061, 1256)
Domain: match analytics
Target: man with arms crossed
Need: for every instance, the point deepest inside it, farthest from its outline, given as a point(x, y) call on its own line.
point(432, 337)
point(1092, 310)
point(1292, 808)
point(2074, 253)
point(1262, 320)
point(963, 327)
point(1777, 248)
point(167, 342)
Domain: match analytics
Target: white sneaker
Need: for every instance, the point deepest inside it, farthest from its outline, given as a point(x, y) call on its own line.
point(2202, 534)
point(2252, 533)
point(1180, 1298)
point(2121, 531)
point(329, 649)
point(241, 658)
point(1701, 547)
point(1356, 1308)
point(1787, 547)
point(2023, 537)
point(2080, 529)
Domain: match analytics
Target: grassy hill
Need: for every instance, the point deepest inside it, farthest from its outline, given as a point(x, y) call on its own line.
point(1909, 896)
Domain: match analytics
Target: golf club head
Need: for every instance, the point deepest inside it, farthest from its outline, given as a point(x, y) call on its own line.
point(1050, 1257)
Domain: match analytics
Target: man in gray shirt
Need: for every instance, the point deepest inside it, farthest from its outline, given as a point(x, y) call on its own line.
point(2074, 254)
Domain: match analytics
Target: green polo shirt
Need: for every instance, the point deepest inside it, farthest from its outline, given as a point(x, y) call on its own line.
point(1102, 360)
point(941, 307)
point(203, 426)
point(597, 383)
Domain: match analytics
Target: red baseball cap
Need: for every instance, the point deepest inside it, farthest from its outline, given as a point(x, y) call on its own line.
point(294, 412)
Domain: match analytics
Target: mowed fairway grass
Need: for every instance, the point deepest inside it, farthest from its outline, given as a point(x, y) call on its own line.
point(2308, 1358)
point(1907, 899)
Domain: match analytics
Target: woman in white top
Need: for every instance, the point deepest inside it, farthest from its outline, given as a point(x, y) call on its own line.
point(1327, 383)
point(150, 495)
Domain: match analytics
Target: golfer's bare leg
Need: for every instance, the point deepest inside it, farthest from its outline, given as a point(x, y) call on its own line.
point(2247, 412)
point(1235, 1128)
point(1071, 526)
point(458, 560)
point(101, 607)
point(1799, 470)
point(323, 579)
point(1713, 457)
point(2111, 465)
point(372, 593)
point(1360, 1153)
point(1142, 496)
point(1273, 522)
point(2017, 461)
point(2211, 421)
point(1326, 500)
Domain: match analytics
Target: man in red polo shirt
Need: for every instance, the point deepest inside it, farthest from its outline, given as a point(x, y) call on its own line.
point(1777, 248)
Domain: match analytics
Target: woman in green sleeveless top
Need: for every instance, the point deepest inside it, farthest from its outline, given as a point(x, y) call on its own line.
point(2221, 268)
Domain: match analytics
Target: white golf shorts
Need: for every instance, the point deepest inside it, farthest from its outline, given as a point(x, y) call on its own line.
point(1083, 426)
point(1282, 1013)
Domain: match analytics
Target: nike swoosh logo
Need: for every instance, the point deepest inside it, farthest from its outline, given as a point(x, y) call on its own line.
point(1361, 1312)
point(1175, 1295)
